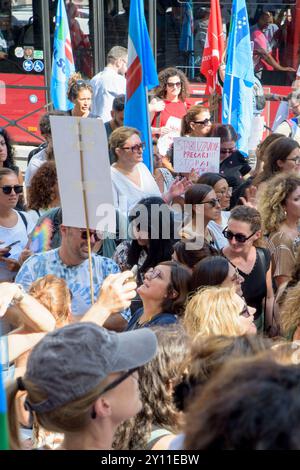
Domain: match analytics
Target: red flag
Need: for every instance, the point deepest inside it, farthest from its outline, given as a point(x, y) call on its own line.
point(213, 49)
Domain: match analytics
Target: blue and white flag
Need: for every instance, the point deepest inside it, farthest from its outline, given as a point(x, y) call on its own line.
point(141, 77)
point(237, 104)
point(63, 62)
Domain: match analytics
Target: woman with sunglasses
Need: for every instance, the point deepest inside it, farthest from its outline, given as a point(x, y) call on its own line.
point(218, 310)
point(196, 122)
point(169, 104)
point(14, 225)
point(223, 193)
point(163, 293)
point(252, 262)
point(131, 179)
point(204, 206)
point(233, 164)
point(7, 158)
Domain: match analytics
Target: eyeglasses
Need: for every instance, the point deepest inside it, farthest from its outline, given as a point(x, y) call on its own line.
point(212, 202)
point(153, 273)
point(240, 237)
point(205, 122)
point(227, 150)
point(18, 189)
point(245, 312)
point(119, 380)
point(296, 160)
point(136, 148)
point(173, 85)
point(84, 235)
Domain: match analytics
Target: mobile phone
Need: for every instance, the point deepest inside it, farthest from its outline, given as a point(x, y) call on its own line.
point(10, 247)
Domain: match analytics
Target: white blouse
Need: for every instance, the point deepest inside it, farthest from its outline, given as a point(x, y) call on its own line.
point(127, 194)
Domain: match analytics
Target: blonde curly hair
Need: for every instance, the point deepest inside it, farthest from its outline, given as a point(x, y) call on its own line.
point(213, 311)
point(272, 200)
point(289, 311)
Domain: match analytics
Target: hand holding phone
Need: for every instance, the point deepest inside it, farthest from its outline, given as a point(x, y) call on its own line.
point(8, 248)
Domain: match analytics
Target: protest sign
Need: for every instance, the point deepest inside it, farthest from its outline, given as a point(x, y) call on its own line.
point(199, 153)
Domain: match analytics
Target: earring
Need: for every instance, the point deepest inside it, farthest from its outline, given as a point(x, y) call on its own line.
point(285, 214)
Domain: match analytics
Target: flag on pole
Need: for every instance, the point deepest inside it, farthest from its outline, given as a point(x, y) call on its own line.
point(186, 43)
point(62, 62)
point(237, 104)
point(213, 49)
point(4, 441)
point(141, 77)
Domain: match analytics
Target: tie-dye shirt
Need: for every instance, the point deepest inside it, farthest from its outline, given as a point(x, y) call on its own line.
point(77, 277)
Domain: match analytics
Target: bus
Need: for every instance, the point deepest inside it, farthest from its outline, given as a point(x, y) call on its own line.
point(26, 39)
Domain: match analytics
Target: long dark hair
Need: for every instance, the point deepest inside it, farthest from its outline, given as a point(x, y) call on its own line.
point(10, 161)
point(210, 271)
point(160, 248)
point(180, 282)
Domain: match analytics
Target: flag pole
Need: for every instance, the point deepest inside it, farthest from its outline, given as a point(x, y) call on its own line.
point(232, 77)
point(86, 215)
point(149, 132)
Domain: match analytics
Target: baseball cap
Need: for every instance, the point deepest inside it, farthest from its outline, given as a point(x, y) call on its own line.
point(70, 361)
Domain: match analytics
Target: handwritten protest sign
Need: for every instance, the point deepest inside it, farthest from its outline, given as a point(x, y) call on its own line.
point(199, 153)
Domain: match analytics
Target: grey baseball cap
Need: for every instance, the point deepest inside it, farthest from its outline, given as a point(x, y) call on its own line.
point(69, 362)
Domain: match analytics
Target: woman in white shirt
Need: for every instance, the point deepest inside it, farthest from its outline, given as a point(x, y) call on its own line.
point(14, 226)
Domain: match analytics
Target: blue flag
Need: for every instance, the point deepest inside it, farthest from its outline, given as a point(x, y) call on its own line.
point(186, 43)
point(141, 77)
point(63, 62)
point(237, 105)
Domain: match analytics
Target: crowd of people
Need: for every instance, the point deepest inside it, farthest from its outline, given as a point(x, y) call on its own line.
point(190, 341)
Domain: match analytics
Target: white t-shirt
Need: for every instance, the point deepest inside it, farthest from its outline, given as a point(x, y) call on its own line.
point(106, 86)
point(127, 194)
point(34, 216)
point(35, 163)
point(10, 235)
point(216, 230)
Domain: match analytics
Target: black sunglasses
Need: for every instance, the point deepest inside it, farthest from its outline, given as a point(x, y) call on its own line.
point(119, 380)
point(212, 202)
point(84, 235)
point(240, 237)
point(203, 123)
point(18, 189)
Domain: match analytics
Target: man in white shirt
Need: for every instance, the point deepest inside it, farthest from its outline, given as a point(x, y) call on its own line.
point(109, 83)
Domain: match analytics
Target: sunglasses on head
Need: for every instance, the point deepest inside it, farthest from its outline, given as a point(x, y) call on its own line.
point(240, 237)
point(212, 202)
point(18, 189)
point(84, 235)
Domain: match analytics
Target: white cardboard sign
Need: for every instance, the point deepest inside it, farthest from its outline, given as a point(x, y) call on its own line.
point(70, 134)
point(199, 153)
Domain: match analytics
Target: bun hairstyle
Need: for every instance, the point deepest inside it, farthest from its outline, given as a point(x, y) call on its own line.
point(75, 84)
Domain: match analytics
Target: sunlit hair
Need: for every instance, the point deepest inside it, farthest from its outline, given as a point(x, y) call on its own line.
point(289, 311)
point(262, 147)
point(163, 77)
point(116, 53)
point(119, 136)
point(6, 172)
point(272, 199)
point(190, 116)
point(54, 294)
point(226, 132)
point(208, 355)
point(156, 379)
point(75, 85)
point(213, 311)
point(279, 149)
point(43, 188)
point(250, 216)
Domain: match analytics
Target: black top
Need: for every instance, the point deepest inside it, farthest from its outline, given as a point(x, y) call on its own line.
point(234, 168)
point(254, 287)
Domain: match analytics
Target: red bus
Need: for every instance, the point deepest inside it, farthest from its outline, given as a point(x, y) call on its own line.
point(26, 36)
